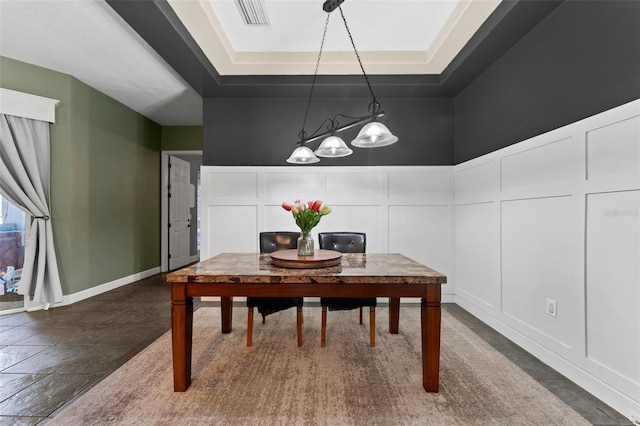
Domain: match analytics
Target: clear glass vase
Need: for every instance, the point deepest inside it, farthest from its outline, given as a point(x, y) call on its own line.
point(305, 245)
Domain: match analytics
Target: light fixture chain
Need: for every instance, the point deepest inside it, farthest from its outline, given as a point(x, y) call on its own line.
point(366, 78)
point(303, 134)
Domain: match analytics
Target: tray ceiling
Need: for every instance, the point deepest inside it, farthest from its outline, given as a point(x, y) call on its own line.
point(399, 37)
point(160, 58)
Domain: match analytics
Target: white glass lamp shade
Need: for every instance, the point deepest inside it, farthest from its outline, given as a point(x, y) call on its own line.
point(302, 155)
point(374, 135)
point(333, 147)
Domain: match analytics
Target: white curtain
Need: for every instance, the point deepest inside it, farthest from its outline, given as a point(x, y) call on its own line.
point(25, 181)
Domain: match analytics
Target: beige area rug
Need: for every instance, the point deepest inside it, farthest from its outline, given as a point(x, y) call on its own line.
point(346, 383)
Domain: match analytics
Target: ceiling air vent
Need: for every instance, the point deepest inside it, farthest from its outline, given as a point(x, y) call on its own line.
point(253, 12)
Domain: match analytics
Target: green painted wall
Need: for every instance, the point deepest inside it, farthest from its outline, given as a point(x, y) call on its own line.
point(182, 138)
point(105, 179)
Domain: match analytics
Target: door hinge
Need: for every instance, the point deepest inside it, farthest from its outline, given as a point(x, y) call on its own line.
point(169, 195)
point(169, 256)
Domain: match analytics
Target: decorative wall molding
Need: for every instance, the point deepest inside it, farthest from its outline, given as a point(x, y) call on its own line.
point(401, 209)
point(28, 106)
point(557, 217)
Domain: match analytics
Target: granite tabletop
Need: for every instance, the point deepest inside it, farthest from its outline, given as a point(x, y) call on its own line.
point(353, 268)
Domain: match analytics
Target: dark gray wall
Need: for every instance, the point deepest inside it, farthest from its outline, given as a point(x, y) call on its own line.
point(252, 132)
point(581, 59)
point(584, 58)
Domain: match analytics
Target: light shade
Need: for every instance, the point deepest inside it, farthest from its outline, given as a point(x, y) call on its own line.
point(302, 155)
point(333, 147)
point(374, 135)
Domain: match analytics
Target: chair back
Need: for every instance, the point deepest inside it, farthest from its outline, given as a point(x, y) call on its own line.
point(273, 241)
point(344, 242)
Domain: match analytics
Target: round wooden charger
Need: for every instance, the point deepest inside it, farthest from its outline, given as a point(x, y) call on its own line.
point(320, 259)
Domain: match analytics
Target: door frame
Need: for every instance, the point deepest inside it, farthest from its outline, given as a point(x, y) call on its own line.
point(164, 203)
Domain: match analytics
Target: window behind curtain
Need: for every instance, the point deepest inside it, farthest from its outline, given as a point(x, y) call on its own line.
point(12, 228)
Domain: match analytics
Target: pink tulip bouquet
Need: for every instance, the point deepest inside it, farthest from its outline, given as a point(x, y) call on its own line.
point(309, 215)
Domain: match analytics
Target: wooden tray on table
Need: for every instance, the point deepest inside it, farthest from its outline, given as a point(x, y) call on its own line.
point(320, 259)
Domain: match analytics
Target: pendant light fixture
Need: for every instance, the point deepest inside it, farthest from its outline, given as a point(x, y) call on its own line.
point(373, 135)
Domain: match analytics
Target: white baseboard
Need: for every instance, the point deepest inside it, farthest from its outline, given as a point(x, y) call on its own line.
point(94, 291)
point(582, 378)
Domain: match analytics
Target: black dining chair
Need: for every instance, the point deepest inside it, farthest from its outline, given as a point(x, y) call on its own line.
point(346, 242)
point(270, 242)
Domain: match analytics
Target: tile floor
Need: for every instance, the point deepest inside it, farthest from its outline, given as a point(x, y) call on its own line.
point(49, 358)
point(587, 405)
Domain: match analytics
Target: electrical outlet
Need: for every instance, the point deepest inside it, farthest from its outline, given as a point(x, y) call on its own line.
point(552, 308)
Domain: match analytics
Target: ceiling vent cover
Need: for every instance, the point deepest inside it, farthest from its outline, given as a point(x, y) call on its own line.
point(253, 12)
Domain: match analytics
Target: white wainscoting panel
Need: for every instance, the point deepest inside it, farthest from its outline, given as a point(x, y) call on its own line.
point(230, 229)
point(476, 181)
point(549, 164)
point(231, 185)
point(614, 149)
point(564, 207)
point(362, 199)
point(433, 187)
point(367, 185)
point(287, 187)
point(365, 219)
point(537, 263)
point(613, 283)
point(275, 218)
point(422, 233)
point(477, 253)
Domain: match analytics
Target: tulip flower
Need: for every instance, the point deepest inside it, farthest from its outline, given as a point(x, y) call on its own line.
point(315, 205)
point(307, 216)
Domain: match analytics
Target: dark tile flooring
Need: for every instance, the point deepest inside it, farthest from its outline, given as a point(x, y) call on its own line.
point(50, 358)
point(587, 405)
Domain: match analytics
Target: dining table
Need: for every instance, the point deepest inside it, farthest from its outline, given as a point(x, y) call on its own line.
point(229, 275)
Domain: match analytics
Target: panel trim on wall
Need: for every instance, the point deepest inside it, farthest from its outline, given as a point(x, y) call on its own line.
point(363, 199)
point(537, 192)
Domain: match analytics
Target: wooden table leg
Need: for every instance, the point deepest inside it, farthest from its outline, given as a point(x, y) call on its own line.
point(394, 315)
point(226, 308)
point(181, 336)
point(430, 324)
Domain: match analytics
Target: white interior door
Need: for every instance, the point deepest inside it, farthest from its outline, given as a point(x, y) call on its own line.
point(179, 216)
